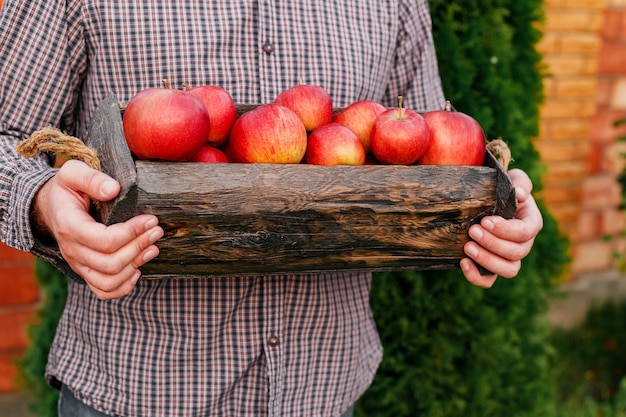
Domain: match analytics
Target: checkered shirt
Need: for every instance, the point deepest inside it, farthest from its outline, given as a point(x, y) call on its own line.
point(283, 345)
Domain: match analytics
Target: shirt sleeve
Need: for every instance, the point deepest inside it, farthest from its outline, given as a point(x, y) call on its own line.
point(416, 73)
point(40, 77)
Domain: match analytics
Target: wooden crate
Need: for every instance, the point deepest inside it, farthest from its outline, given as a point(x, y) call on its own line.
point(226, 219)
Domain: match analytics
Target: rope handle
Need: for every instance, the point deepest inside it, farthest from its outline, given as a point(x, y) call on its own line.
point(50, 139)
point(501, 151)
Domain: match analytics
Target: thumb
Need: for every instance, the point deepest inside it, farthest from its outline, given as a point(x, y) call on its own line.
point(78, 176)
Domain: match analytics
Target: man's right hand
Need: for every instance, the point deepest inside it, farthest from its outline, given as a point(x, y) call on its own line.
point(107, 257)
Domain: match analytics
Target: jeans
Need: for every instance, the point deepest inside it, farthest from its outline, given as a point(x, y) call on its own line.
point(69, 406)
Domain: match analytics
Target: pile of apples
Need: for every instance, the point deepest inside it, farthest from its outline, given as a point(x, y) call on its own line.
point(200, 124)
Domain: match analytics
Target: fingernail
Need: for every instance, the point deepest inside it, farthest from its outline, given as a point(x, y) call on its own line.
point(488, 224)
point(476, 232)
point(136, 276)
point(156, 235)
point(520, 194)
point(471, 250)
point(108, 187)
point(150, 254)
point(464, 265)
point(150, 223)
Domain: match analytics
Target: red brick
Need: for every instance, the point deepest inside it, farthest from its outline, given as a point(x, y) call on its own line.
point(576, 87)
point(580, 43)
point(549, 43)
point(571, 64)
point(569, 212)
point(563, 151)
point(612, 222)
point(603, 130)
point(566, 129)
point(8, 253)
point(564, 172)
point(611, 30)
point(569, 193)
point(595, 256)
point(9, 371)
point(589, 225)
point(553, 3)
point(612, 58)
point(569, 229)
point(601, 192)
point(13, 323)
point(573, 20)
point(586, 4)
point(18, 286)
point(595, 159)
point(604, 91)
point(567, 109)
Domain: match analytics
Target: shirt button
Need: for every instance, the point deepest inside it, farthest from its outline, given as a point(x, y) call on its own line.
point(268, 48)
point(273, 340)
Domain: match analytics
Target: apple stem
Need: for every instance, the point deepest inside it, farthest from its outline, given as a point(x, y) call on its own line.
point(448, 106)
point(400, 107)
point(186, 85)
point(300, 81)
point(166, 83)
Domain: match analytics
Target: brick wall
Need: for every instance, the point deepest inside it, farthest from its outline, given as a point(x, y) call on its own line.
point(19, 298)
point(601, 193)
point(583, 48)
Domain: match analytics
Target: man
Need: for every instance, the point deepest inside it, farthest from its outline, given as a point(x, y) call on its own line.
point(259, 345)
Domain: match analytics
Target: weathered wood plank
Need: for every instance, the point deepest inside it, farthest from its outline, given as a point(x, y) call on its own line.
point(222, 219)
point(106, 137)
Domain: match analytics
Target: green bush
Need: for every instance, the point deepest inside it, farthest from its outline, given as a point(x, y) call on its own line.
point(33, 363)
point(590, 407)
point(452, 349)
point(590, 368)
point(592, 363)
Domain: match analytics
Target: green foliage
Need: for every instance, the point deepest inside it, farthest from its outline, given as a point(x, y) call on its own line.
point(590, 368)
point(592, 363)
point(33, 363)
point(452, 349)
point(589, 407)
point(455, 349)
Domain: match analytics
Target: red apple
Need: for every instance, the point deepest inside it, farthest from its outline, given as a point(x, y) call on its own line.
point(269, 133)
point(221, 108)
point(311, 103)
point(165, 124)
point(334, 144)
point(359, 117)
point(210, 154)
point(455, 139)
point(400, 136)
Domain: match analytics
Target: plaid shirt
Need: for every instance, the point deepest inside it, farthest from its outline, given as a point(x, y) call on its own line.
point(247, 346)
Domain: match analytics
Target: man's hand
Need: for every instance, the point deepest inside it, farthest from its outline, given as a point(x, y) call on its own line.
point(107, 257)
point(499, 245)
